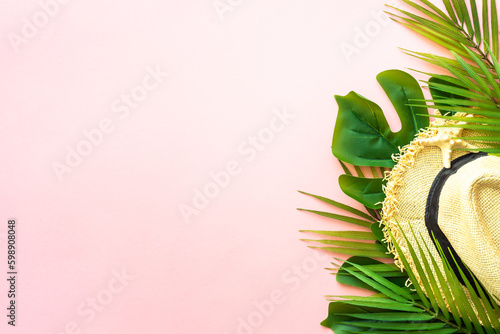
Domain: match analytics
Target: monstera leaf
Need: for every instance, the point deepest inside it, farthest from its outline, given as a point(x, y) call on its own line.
point(337, 315)
point(363, 138)
point(367, 191)
point(362, 135)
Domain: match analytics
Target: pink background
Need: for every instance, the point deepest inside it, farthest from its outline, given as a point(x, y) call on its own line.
point(119, 209)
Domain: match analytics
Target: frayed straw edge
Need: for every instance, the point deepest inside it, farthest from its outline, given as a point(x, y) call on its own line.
point(404, 160)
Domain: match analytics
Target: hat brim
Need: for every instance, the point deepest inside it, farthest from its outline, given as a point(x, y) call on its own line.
point(407, 190)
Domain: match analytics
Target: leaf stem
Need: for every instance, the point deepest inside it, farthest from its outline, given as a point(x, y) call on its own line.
point(482, 55)
point(437, 316)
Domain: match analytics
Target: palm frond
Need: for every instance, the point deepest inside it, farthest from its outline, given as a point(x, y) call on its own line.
point(437, 302)
point(440, 305)
point(467, 31)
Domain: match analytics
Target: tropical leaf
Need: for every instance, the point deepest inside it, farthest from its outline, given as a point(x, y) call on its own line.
point(397, 308)
point(437, 301)
point(375, 213)
point(392, 273)
point(440, 305)
point(356, 235)
point(346, 219)
point(344, 167)
point(440, 95)
point(356, 251)
point(336, 317)
point(467, 32)
point(336, 204)
point(367, 191)
point(378, 232)
point(362, 135)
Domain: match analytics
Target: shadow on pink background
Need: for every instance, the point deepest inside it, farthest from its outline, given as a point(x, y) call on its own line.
point(152, 151)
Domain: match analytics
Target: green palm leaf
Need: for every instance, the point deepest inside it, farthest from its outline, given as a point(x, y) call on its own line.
point(346, 219)
point(438, 302)
point(341, 206)
point(467, 32)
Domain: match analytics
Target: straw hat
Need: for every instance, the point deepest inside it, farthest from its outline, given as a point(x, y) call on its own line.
point(454, 194)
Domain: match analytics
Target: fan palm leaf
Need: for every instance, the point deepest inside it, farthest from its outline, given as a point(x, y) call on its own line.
point(470, 33)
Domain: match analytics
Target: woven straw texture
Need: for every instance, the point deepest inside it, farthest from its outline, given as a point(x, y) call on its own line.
point(469, 213)
point(469, 216)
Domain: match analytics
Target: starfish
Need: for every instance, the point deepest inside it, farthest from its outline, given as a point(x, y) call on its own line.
point(443, 140)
